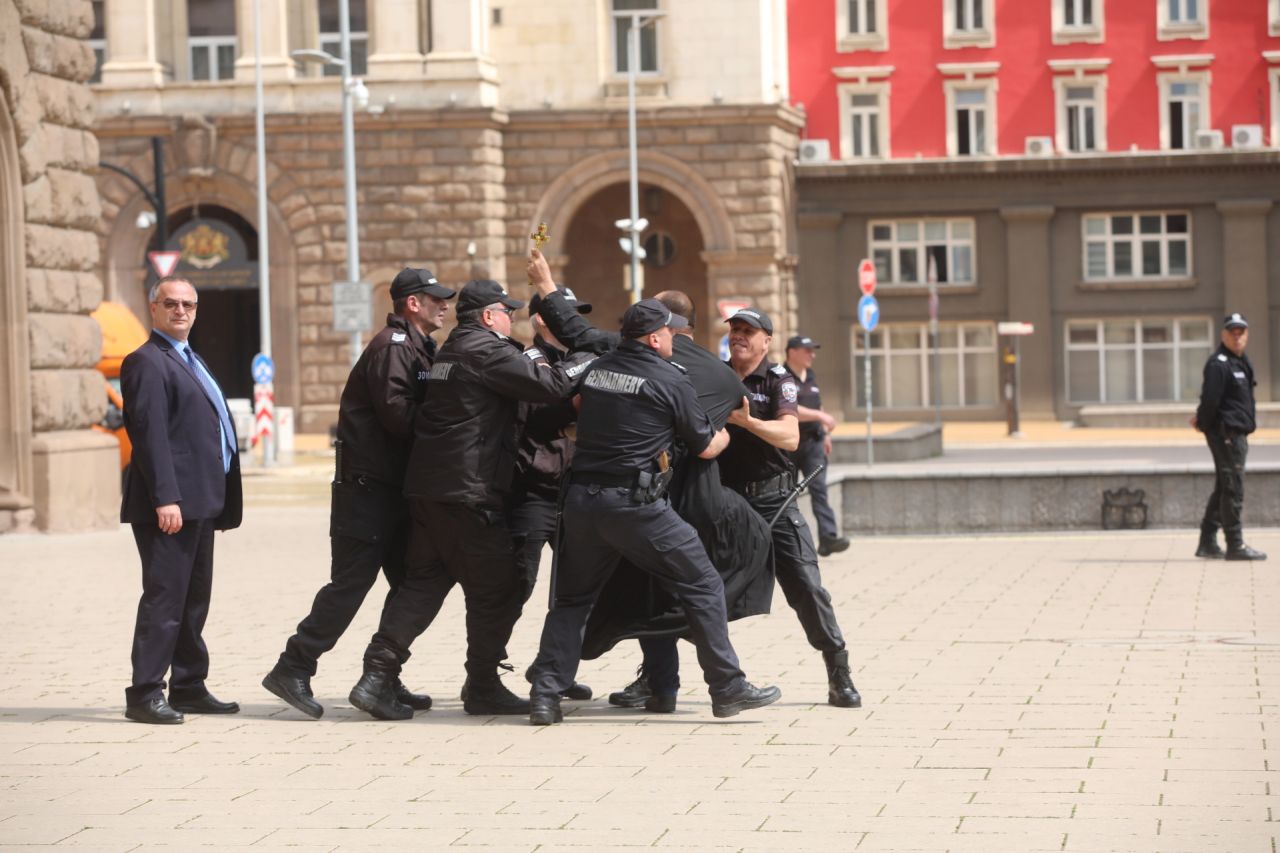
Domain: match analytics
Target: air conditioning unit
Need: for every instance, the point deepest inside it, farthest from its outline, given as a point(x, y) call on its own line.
point(815, 151)
point(1209, 140)
point(1246, 136)
point(1039, 146)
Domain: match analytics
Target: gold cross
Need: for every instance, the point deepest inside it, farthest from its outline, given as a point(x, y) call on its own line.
point(540, 236)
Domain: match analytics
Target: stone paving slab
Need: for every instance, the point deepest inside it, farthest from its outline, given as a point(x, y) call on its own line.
point(1069, 692)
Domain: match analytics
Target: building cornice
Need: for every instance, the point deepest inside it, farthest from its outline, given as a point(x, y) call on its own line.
point(779, 115)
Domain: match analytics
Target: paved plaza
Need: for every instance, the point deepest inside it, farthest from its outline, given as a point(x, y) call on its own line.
point(1084, 692)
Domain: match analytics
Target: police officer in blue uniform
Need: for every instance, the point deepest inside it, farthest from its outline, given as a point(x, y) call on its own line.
point(757, 466)
point(815, 441)
point(633, 404)
point(1226, 415)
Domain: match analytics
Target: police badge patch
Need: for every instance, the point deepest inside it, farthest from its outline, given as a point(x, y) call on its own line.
point(789, 392)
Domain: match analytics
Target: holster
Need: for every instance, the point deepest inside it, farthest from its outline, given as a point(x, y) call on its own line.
point(651, 487)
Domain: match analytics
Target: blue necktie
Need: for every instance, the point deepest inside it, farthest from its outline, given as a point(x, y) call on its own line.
point(211, 391)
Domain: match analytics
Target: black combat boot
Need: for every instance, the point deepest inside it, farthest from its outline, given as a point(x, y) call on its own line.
point(375, 694)
point(1237, 550)
point(745, 698)
point(1209, 543)
point(416, 701)
point(485, 695)
point(840, 689)
point(294, 689)
point(545, 710)
point(634, 694)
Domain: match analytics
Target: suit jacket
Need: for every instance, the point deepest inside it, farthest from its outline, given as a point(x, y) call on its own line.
point(177, 446)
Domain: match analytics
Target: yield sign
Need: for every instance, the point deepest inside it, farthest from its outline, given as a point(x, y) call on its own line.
point(164, 263)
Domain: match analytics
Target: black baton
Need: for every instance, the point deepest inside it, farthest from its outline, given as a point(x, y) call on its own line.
point(557, 537)
point(337, 460)
point(795, 493)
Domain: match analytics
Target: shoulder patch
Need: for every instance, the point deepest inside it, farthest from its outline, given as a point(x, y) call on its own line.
point(533, 353)
point(399, 337)
point(678, 366)
point(1221, 357)
point(779, 370)
point(789, 392)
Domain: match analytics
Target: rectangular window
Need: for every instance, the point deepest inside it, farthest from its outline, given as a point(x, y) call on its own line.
point(1076, 21)
point(1182, 19)
point(1077, 13)
point(914, 252)
point(864, 126)
point(969, 15)
point(1137, 245)
point(971, 122)
point(862, 17)
point(1136, 360)
point(902, 364)
point(1184, 113)
point(1081, 103)
point(1183, 11)
point(212, 57)
point(331, 35)
point(648, 40)
point(968, 23)
point(98, 40)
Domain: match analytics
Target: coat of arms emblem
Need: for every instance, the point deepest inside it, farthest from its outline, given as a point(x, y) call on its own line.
point(204, 247)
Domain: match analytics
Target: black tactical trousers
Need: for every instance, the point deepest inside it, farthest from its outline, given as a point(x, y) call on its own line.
point(452, 544)
point(1227, 501)
point(601, 526)
point(532, 521)
point(796, 568)
point(808, 457)
point(368, 532)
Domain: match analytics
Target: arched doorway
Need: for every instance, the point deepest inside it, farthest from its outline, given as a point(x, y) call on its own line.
point(219, 251)
point(598, 268)
point(15, 400)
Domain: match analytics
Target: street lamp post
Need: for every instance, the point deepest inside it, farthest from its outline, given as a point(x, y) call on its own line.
point(352, 88)
point(634, 224)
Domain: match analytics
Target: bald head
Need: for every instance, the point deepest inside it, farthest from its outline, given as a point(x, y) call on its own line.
point(678, 302)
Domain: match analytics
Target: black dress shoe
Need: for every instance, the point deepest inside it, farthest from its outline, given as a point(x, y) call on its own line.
point(745, 698)
point(661, 703)
point(294, 689)
point(156, 711)
point(545, 710)
point(416, 701)
point(206, 704)
point(1242, 551)
point(827, 547)
point(578, 691)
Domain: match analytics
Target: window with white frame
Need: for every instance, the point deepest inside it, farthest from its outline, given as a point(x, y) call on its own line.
point(1184, 109)
point(1181, 19)
point(211, 39)
point(970, 122)
point(1122, 246)
point(331, 35)
point(860, 25)
point(1081, 114)
point(902, 362)
point(968, 23)
point(920, 251)
point(648, 37)
point(864, 124)
point(1134, 360)
point(1078, 21)
point(98, 40)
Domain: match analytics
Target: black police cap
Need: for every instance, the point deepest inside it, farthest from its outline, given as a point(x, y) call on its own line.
point(1235, 321)
point(483, 293)
point(410, 281)
point(535, 301)
point(647, 316)
point(753, 317)
point(802, 341)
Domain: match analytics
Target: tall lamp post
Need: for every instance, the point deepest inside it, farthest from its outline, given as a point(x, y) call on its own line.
point(353, 89)
point(633, 225)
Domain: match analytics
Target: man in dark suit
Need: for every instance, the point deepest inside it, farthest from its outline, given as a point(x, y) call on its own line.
point(182, 485)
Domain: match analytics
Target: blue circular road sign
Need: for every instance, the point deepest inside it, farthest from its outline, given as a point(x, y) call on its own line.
point(263, 369)
point(868, 312)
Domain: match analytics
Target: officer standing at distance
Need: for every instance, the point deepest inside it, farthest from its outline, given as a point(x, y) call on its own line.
point(815, 441)
point(458, 479)
point(634, 403)
point(368, 515)
point(1226, 416)
point(757, 466)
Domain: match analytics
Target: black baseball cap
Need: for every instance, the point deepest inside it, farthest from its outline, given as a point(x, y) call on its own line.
point(535, 301)
point(1235, 321)
point(410, 281)
point(649, 315)
point(752, 317)
point(484, 292)
point(799, 341)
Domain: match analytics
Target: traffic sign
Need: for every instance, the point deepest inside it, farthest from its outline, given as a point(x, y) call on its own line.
point(352, 306)
point(731, 306)
point(724, 348)
point(1015, 328)
point(867, 276)
point(868, 312)
point(263, 369)
point(164, 263)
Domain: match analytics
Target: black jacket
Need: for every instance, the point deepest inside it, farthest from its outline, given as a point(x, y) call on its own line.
point(1226, 397)
point(572, 329)
point(544, 453)
point(380, 401)
point(465, 441)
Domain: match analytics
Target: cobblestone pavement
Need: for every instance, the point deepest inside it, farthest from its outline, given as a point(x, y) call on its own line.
point(1089, 692)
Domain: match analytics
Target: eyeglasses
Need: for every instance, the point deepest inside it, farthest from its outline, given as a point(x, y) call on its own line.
point(175, 304)
point(507, 311)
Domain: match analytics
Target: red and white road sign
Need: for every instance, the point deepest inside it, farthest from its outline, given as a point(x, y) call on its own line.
point(1015, 328)
point(867, 277)
point(264, 404)
point(164, 263)
point(729, 307)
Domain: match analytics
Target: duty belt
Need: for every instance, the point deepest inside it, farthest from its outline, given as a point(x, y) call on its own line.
point(604, 478)
point(777, 483)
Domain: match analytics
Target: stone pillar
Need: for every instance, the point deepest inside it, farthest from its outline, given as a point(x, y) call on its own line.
point(1027, 245)
point(1244, 279)
point(131, 44)
point(276, 64)
point(459, 51)
point(394, 46)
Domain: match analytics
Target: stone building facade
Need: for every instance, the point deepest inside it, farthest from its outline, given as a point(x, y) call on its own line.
point(55, 473)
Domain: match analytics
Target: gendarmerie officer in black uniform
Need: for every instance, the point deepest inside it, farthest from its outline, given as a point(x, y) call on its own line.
point(633, 404)
point(815, 441)
point(1226, 416)
point(368, 515)
point(757, 466)
point(458, 478)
